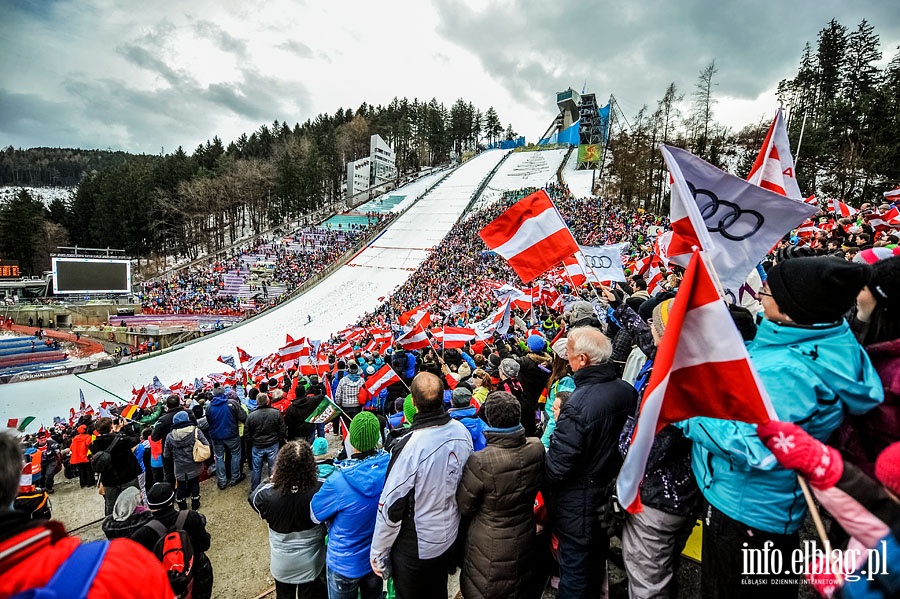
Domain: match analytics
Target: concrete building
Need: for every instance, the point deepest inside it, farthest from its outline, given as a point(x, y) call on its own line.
point(373, 172)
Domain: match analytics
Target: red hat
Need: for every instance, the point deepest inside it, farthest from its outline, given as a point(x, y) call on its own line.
point(82, 428)
point(887, 468)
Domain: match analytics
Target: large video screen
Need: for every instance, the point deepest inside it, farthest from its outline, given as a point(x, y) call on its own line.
point(91, 275)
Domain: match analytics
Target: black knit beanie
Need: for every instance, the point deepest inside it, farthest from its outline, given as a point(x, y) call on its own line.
point(816, 290)
point(885, 282)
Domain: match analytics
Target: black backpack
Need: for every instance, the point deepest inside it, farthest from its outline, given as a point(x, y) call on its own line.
point(101, 461)
point(176, 553)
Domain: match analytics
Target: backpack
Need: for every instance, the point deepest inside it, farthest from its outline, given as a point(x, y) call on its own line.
point(102, 460)
point(75, 577)
point(175, 551)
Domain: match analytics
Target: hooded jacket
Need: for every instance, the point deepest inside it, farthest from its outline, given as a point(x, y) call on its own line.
point(347, 502)
point(814, 375)
point(179, 447)
point(469, 417)
point(296, 414)
point(265, 426)
point(347, 393)
point(223, 416)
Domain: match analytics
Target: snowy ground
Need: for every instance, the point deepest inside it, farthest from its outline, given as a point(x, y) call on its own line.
point(333, 304)
point(579, 182)
point(522, 169)
point(45, 194)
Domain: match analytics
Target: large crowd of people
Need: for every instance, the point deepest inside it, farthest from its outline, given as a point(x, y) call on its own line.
point(500, 458)
point(290, 261)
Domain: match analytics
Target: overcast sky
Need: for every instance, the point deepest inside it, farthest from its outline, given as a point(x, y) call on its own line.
point(146, 76)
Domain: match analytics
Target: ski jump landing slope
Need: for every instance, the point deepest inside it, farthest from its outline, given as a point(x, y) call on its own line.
point(334, 303)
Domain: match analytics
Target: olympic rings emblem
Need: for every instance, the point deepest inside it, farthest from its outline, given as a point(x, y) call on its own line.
point(726, 218)
point(598, 261)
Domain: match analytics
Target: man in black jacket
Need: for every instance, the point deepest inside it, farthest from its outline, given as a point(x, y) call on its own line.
point(300, 409)
point(123, 469)
point(161, 430)
point(161, 501)
point(264, 428)
point(583, 459)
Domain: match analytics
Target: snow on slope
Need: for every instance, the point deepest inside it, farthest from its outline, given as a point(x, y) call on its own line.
point(579, 182)
point(522, 169)
point(336, 302)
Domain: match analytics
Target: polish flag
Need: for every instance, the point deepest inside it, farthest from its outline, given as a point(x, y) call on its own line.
point(531, 236)
point(414, 339)
point(417, 316)
point(457, 337)
point(701, 369)
point(839, 207)
point(381, 379)
point(893, 195)
point(773, 168)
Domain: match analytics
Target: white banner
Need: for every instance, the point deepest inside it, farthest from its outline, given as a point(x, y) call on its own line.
point(605, 261)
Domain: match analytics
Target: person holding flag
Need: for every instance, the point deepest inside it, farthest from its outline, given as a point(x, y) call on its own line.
point(808, 360)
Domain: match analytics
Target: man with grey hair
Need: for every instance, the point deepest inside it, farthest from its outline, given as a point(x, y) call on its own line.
point(583, 460)
point(32, 552)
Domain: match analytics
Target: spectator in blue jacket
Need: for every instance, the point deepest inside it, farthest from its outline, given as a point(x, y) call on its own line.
point(223, 416)
point(815, 372)
point(463, 410)
point(347, 503)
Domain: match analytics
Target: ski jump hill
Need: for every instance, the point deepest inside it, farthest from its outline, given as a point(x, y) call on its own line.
point(337, 301)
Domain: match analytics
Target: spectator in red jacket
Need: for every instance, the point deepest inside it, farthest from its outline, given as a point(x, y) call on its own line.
point(79, 459)
point(34, 550)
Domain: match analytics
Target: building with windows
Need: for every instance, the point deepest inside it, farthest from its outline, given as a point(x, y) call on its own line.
point(374, 172)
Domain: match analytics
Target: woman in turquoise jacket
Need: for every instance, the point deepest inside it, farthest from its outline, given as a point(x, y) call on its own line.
point(814, 372)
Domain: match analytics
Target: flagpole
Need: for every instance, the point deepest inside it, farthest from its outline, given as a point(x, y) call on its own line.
point(99, 387)
point(799, 141)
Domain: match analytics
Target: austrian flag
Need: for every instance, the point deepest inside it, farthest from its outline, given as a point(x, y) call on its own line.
point(701, 369)
point(381, 379)
point(531, 236)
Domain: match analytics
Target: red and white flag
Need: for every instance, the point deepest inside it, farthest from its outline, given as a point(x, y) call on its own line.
point(294, 350)
point(654, 275)
point(839, 207)
point(417, 316)
point(893, 195)
point(416, 338)
point(457, 337)
point(574, 271)
point(381, 379)
point(531, 236)
point(773, 168)
point(496, 322)
point(807, 229)
point(344, 349)
point(688, 229)
point(887, 221)
point(701, 369)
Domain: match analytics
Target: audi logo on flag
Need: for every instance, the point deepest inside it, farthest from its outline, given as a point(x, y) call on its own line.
point(726, 218)
point(598, 261)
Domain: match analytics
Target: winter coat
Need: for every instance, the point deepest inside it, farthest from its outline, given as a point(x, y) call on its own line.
point(417, 510)
point(124, 467)
point(296, 414)
point(347, 393)
point(534, 372)
point(179, 447)
point(583, 457)
point(113, 529)
point(814, 375)
point(347, 502)
point(44, 546)
point(163, 426)
point(224, 415)
point(529, 408)
point(469, 417)
point(265, 426)
point(567, 384)
point(497, 492)
point(79, 448)
point(296, 542)
point(863, 437)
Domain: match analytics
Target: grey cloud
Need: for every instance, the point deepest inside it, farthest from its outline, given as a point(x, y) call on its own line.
point(146, 59)
point(298, 49)
point(635, 50)
point(224, 40)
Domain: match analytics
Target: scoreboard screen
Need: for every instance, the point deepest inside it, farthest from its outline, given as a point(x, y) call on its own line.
point(91, 275)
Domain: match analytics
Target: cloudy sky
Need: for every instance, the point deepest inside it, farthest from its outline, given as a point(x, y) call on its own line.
point(146, 76)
